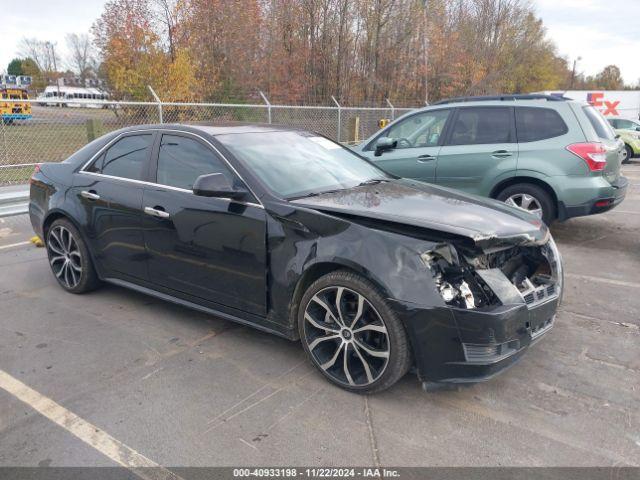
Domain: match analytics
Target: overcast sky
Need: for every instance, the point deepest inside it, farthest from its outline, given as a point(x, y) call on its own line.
point(602, 32)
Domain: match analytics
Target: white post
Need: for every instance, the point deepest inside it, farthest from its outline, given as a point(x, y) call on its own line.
point(393, 110)
point(266, 101)
point(339, 116)
point(157, 99)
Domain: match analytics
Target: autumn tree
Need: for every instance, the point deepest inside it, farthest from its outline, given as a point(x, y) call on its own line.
point(305, 51)
point(610, 78)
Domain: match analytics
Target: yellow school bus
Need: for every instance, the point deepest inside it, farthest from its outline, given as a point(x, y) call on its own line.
point(14, 109)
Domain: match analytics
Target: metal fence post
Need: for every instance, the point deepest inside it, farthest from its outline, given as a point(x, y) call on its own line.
point(393, 109)
point(339, 116)
point(266, 101)
point(158, 101)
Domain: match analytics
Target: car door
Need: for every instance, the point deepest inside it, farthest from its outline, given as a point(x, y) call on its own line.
point(206, 247)
point(480, 148)
point(419, 138)
point(110, 193)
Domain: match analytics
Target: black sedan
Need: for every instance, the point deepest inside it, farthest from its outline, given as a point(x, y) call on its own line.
point(293, 234)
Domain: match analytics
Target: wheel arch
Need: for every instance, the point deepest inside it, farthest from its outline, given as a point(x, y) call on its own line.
point(317, 270)
point(532, 180)
point(56, 214)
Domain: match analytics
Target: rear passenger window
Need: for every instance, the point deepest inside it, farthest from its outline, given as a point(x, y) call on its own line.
point(125, 158)
point(481, 125)
point(538, 124)
point(599, 124)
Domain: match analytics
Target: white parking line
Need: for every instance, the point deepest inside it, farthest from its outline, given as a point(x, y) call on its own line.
point(610, 281)
point(85, 431)
point(19, 244)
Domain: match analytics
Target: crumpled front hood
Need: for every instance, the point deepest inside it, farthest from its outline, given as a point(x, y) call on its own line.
point(487, 222)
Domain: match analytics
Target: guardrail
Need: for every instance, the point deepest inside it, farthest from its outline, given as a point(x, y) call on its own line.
point(14, 200)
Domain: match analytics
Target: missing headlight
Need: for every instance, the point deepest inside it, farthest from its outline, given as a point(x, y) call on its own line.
point(456, 282)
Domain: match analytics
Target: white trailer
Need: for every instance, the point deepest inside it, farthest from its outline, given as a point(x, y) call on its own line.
point(611, 103)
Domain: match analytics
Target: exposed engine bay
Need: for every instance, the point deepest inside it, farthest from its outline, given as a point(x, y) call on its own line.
point(475, 279)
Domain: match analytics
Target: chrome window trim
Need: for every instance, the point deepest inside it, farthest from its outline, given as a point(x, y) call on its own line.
point(160, 131)
point(168, 187)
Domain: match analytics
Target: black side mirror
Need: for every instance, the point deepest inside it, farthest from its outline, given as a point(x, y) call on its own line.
point(384, 144)
point(216, 185)
point(637, 129)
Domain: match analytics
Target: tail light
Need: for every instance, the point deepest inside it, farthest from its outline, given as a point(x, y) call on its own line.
point(594, 154)
point(36, 169)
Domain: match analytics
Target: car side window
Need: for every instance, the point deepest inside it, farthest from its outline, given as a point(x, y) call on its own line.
point(419, 130)
point(181, 160)
point(625, 124)
point(481, 125)
point(125, 158)
point(534, 124)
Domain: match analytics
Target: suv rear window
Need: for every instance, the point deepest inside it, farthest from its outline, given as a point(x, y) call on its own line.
point(599, 124)
point(534, 124)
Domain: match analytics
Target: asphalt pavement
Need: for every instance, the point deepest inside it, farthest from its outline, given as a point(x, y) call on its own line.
point(94, 379)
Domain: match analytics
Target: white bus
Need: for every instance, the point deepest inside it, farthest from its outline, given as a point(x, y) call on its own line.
point(78, 97)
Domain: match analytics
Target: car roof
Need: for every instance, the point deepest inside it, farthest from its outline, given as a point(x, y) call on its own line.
point(225, 128)
point(496, 103)
point(210, 128)
point(239, 128)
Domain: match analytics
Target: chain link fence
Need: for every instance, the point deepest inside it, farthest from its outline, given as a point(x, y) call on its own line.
point(57, 129)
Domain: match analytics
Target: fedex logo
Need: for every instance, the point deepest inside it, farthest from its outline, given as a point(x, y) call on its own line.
point(597, 100)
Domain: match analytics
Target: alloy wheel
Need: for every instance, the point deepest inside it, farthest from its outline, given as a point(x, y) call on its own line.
point(64, 256)
point(527, 202)
point(346, 336)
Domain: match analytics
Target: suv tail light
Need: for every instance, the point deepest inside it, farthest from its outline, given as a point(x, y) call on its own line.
point(594, 154)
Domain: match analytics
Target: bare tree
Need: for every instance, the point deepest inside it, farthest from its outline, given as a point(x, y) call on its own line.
point(81, 57)
point(167, 13)
point(42, 52)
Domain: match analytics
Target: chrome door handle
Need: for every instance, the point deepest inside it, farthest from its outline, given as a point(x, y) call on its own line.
point(501, 154)
point(154, 212)
point(426, 158)
point(90, 195)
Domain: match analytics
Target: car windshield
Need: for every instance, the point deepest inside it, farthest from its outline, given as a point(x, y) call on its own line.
point(294, 164)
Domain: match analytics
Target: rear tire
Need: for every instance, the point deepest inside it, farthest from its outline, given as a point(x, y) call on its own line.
point(532, 198)
point(629, 154)
point(361, 345)
point(69, 258)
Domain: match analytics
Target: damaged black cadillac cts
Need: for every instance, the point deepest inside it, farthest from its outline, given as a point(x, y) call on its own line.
point(293, 234)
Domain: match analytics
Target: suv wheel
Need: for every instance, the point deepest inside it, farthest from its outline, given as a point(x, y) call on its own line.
point(69, 258)
point(628, 153)
point(351, 335)
point(531, 198)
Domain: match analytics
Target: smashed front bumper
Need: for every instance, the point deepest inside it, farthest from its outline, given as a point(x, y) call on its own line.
point(453, 345)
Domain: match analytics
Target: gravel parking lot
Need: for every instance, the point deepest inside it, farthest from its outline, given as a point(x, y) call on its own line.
point(180, 388)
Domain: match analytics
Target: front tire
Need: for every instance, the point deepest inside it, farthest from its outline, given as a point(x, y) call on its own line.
point(351, 335)
point(69, 258)
point(531, 198)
